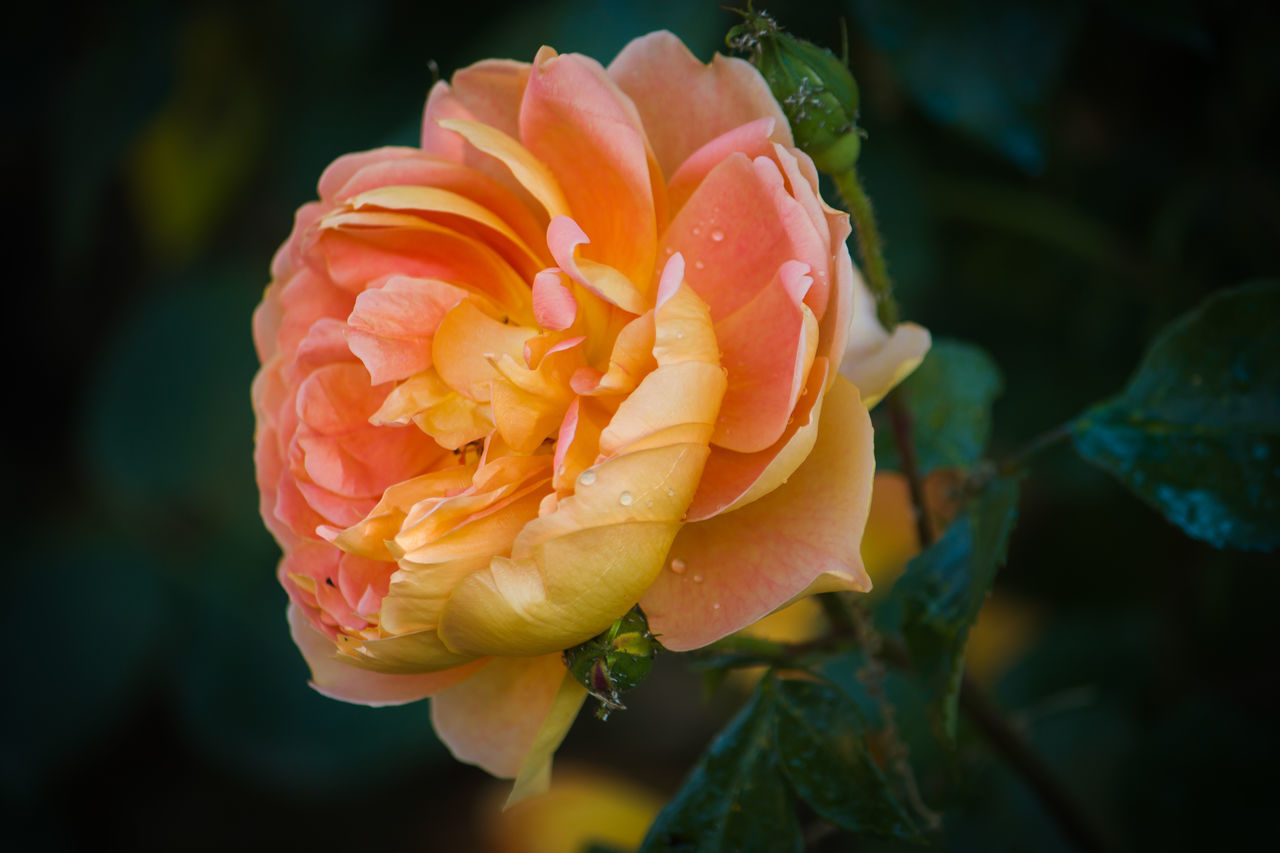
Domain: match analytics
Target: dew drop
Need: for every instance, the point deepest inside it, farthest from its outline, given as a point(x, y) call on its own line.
point(680, 336)
point(717, 235)
point(697, 578)
point(678, 566)
point(625, 498)
point(649, 502)
point(715, 606)
point(697, 230)
point(698, 264)
point(586, 478)
point(671, 493)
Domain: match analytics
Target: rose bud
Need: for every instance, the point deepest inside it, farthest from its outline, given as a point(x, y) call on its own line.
point(814, 86)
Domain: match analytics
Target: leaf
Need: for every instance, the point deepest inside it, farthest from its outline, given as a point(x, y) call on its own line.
point(944, 588)
point(822, 745)
point(949, 397)
point(985, 67)
point(1196, 433)
point(736, 798)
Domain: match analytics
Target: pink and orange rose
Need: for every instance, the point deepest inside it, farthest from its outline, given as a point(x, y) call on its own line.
point(580, 350)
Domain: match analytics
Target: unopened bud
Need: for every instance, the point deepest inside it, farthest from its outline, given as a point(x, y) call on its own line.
point(815, 88)
point(614, 661)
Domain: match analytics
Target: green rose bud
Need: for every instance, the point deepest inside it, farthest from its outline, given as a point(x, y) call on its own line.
point(817, 93)
point(615, 661)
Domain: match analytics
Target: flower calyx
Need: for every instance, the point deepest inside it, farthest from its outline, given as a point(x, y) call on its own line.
point(815, 88)
point(614, 661)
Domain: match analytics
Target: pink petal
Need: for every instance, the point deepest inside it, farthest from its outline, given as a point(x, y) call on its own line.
point(739, 566)
point(575, 120)
point(685, 104)
point(391, 328)
point(736, 232)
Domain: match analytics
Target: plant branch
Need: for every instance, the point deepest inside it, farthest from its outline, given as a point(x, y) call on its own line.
point(1004, 739)
point(900, 421)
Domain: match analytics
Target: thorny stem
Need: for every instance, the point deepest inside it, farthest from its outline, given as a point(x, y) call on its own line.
point(1000, 735)
point(1005, 740)
point(900, 421)
point(870, 246)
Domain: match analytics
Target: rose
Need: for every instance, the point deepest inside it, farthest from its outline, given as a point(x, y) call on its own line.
point(576, 352)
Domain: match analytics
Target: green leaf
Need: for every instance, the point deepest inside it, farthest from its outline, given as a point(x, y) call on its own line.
point(944, 588)
point(736, 798)
point(1196, 433)
point(949, 397)
point(821, 741)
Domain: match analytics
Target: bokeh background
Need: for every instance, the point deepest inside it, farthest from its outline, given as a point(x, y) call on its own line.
point(1056, 181)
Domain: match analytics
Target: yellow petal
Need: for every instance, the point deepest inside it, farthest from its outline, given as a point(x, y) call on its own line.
point(531, 172)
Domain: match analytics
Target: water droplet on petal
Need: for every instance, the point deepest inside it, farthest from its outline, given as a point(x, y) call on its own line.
point(697, 229)
point(649, 502)
point(586, 478)
point(715, 606)
point(698, 264)
point(625, 498)
point(697, 578)
point(671, 493)
point(717, 235)
point(678, 566)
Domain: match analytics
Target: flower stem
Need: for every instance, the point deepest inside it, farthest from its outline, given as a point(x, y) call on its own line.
point(1043, 441)
point(870, 246)
point(900, 420)
point(1004, 739)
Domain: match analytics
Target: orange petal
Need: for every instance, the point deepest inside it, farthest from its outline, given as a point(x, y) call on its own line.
point(737, 567)
point(665, 80)
point(332, 676)
point(577, 121)
point(497, 717)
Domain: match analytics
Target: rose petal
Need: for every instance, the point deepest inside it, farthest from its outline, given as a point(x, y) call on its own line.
point(665, 80)
point(577, 121)
point(495, 718)
point(739, 566)
point(333, 677)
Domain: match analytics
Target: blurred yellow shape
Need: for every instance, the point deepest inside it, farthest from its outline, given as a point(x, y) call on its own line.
point(584, 806)
point(1002, 635)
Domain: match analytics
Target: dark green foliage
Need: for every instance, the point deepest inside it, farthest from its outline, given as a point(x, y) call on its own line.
point(1196, 433)
point(944, 588)
point(949, 397)
point(736, 798)
point(821, 738)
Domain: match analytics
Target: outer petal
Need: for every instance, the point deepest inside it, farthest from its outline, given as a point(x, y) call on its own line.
point(737, 567)
point(509, 716)
point(873, 359)
point(685, 104)
point(333, 677)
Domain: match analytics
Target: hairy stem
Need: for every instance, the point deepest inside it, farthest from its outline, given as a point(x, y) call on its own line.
point(870, 246)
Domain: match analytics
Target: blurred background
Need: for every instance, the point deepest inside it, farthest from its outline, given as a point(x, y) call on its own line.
point(1056, 181)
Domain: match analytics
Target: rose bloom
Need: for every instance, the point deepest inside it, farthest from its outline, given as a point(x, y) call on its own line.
point(578, 351)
